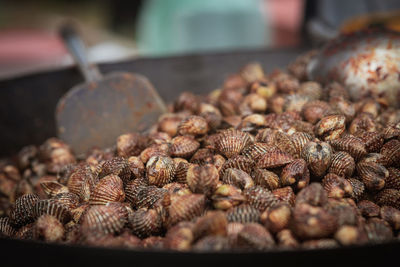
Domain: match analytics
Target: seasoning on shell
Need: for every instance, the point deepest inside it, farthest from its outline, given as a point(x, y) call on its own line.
point(160, 170)
point(108, 189)
point(231, 142)
point(330, 127)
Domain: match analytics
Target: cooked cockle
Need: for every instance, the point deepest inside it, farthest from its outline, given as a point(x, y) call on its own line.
point(237, 178)
point(160, 170)
point(231, 142)
point(193, 125)
point(277, 217)
point(183, 146)
point(22, 213)
point(226, 196)
point(51, 207)
point(52, 188)
point(295, 174)
point(265, 178)
point(202, 179)
point(243, 214)
point(185, 207)
point(260, 198)
point(108, 189)
point(318, 156)
point(342, 164)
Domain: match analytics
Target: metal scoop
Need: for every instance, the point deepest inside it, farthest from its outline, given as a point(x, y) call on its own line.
point(95, 113)
point(366, 62)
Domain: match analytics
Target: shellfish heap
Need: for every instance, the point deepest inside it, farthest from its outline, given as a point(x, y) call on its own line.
point(266, 162)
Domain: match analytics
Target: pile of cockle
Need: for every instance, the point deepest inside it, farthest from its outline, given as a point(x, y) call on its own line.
point(265, 162)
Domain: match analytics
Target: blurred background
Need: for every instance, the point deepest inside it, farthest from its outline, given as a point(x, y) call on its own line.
point(116, 30)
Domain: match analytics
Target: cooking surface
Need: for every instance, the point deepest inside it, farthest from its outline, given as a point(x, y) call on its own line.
point(28, 103)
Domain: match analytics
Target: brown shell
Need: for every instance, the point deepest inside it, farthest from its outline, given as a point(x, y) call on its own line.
point(342, 164)
point(211, 244)
point(237, 178)
point(350, 235)
point(312, 222)
point(324, 243)
point(81, 181)
point(227, 196)
point(314, 195)
point(318, 157)
point(254, 236)
point(169, 123)
point(130, 144)
point(25, 232)
point(202, 156)
point(161, 150)
point(231, 142)
point(363, 122)
point(68, 199)
point(52, 188)
point(145, 222)
point(116, 166)
point(299, 140)
point(181, 171)
point(56, 154)
point(256, 150)
point(212, 223)
point(373, 140)
point(393, 180)
point(101, 220)
point(183, 146)
point(391, 152)
point(160, 170)
point(391, 130)
point(315, 110)
point(137, 167)
point(388, 197)
point(330, 127)
point(185, 208)
point(266, 179)
point(344, 211)
point(336, 186)
point(277, 217)
point(6, 228)
point(51, 207)
point(372, 174)
point(274, 159)
point(238, 162)
point(193, 125)
point(48, 228)
point(285, 194)
point(108, 189)
point(391, 215)
point(378, 230)
point(22, 213)
point(179, 237)
point(77, 213)
point(202, 179)
point(350, 144)
point(286, 239)
point(243, 214)
point(133, 188)
point(297, 173)
point(260, 198)
point(358, 188)
point(149, 196)
point(368, 208)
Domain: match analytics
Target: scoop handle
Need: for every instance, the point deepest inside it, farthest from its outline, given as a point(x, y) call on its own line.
point(77, 49)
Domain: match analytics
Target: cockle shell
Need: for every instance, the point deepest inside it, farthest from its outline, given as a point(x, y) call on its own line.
point(202, 179)
point(22, 213)
point(116, 166)
point(388, 197)
point(185, 208)
point(108, 189)
point(70, 200)
point(226, 196)
point(51, 207)
point(274, 159)
point(183, 146)
point(6, 228)
point(238, 162)
point(145, 222)
point(133, 188)
point(237, 178)
point(231, 142)
point(81, 181)
point(254, 236)
point(260, 198)
point(52, 188)
point(350, 144)
point(265, 178)
point(243, 214)
point(318, 157)
point(296, 173)
point(193, 125)
point(160, 170)
point(342, 164)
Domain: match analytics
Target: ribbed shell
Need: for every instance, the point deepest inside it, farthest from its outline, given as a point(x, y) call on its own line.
point(277, 217)
point(101, 220)
point(202, 156)
point(296, 172)
point(391, 152)
point(181, 172)
point(6, 228)
point(81, 181)
point(202, 179)
point(265, 178)
point(285, 194)
point(51, 207)
point(372, 174)
point(336, 186)
point(69, 200)
point(231, 142)
point(145, 222)
point(160, 170)
point(108, 189)
point(212, 223)
point(193, 125)
point(226, 196)
point(260, 198)
point(342, 164)
point(256, 150)
point(52, 188)
point(243, 214)
point(274, 159)
point(373, 141)
point(358, 188)
point(239, 162)
point(148, 196)
point(118, 166)
point(183, 146)
point(133, 188)
point(179, 237)
point(22, 213)
point(315, 110)
point(185, 208)
point(237, 178)
point(283, 141)
point(318, 157)
point(314, 195)
point(393, 180)
point(299, 140)
point(392, 130)
point(388, 197)
point(330, 127)
point(350, 144)
point(256, 237)
point(391, 215)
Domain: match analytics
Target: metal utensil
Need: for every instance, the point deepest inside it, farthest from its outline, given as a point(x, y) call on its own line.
point(366, 62)
point(96, 112)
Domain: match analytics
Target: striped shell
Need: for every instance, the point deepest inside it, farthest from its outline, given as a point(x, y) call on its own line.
point(237, 178)
point(265, 178)
point(6, 228)
point(81, 181)
point(336, 186)
point(358, 188)
point(254, 236)
point(330, 127)
point(260, 198)
point(318, 157)
point(137, 167)
point(148, 196)
point(372, 174)
point(299, 140)
point(22, 213)
point(193, 125)
point(129, 144)
point(314, 195)
point(391, 215)
point(51, 207)
point(179, 237)
point(350, 144)
point(342, 164)
point(285, 194)
point(274, 159)
point(393, 180)
point(116, 166)
point(181, 171)
point(388, 197)
point(185, 208)
point(297, 173)
point(160, 170)
point(52, 188)
point(391, 152)
point(315, 110)
point(202, 179)
point(108, 189)
point(69, 200)
point(183, 146)
point(161, 150)
point(238, 162)
point(202, 156)
point(145, 222)
point(256, 150)
point(373, 141)
point(231, 142)
point(392, 130)
point(101, 220)
point(227, 196)
point(243, 214)
point(133, 188)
